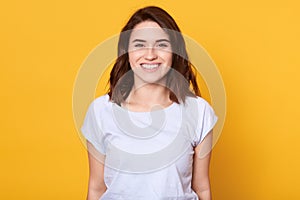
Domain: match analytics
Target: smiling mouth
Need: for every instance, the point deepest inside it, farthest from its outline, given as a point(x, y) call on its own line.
point(150, 66)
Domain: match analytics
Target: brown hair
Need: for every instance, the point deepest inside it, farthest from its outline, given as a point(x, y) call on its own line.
point(178, 79)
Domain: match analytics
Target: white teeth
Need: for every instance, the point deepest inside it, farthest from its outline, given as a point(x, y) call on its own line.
point(149, 66)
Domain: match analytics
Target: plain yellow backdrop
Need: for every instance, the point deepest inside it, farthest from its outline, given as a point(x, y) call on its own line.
point(255, 45)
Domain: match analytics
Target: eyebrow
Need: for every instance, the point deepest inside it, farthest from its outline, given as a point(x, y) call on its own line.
point(160, 40)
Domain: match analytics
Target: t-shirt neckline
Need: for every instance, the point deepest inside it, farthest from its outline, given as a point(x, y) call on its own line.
point(165, 109)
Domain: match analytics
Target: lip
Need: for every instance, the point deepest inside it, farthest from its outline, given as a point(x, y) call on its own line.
point(150, 67)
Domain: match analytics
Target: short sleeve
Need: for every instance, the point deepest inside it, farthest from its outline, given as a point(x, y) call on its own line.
point(206, 121)
point(91, 128)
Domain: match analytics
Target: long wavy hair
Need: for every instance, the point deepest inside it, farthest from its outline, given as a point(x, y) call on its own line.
point(178, 80)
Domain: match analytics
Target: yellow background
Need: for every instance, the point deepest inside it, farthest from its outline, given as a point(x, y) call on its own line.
point(255, 45)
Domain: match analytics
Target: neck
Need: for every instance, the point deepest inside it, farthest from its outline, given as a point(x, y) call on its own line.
point(148, 95)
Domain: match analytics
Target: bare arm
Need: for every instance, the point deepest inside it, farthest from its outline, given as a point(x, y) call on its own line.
point(96, 185)
point(200, 181)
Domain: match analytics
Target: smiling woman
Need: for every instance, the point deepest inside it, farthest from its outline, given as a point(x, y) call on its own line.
point(150, 53)
point(146, 137)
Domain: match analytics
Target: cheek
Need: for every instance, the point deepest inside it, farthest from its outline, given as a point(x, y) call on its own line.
point(134, 57)
point(167, 56)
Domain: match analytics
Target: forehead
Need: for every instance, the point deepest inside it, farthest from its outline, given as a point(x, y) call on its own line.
point(149, 31)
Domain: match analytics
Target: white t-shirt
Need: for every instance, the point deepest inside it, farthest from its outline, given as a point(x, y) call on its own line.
point(149, 155)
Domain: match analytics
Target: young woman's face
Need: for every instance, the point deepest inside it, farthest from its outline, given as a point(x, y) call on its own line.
point(150, 53)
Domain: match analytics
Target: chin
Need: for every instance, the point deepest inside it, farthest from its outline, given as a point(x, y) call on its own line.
point(153, 80)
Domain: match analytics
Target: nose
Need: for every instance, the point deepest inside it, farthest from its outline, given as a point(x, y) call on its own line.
point(150, 53)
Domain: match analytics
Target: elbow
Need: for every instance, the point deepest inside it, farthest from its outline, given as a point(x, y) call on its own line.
point(95, 193)
point(204, 194)
point(203, 190)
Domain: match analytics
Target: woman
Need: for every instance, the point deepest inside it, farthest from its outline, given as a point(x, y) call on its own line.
point(150, 137)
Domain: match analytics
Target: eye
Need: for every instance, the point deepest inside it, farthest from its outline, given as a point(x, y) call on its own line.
point(137, 45)
point(163, 45)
